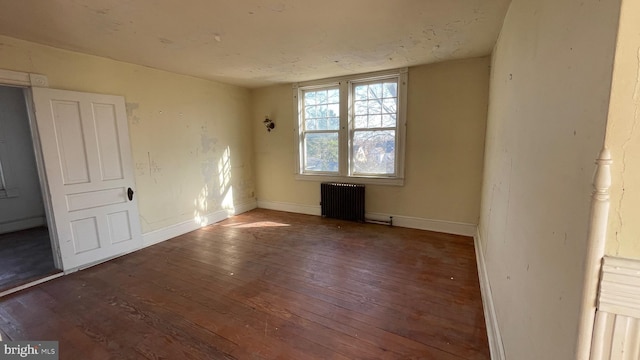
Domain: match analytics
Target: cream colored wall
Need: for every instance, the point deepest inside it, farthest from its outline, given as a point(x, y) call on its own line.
point(547, 113)
point(623, 138)
point(447, 105)
point(180, 128)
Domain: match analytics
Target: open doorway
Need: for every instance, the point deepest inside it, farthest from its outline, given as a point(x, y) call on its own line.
point(25, 245)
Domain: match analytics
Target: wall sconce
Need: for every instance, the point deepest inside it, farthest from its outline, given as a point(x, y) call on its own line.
point(269, 124)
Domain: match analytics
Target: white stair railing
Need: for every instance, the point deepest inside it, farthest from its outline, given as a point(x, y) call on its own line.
point(596, 239)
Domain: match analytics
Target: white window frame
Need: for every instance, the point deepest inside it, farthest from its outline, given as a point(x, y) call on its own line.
point(345, 135)
point(301, 153)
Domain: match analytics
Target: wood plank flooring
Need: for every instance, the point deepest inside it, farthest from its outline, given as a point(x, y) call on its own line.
point(25, 256)
point(267, 285)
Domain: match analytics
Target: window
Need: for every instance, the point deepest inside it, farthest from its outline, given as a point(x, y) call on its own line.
point(320, 130)
point(352, 128)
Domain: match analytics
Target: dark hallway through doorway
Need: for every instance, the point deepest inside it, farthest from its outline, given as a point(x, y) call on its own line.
point(25, 256)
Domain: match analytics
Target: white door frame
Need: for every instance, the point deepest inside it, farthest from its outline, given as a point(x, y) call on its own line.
point(26, 81)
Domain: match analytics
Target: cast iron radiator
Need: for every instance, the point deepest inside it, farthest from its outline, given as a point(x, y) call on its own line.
point(342, 201)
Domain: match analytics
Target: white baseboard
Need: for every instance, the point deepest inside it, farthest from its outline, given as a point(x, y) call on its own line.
point(169, 232)
point(22, 224)
point(290, 207)
point(493, 329)
point(448, 227)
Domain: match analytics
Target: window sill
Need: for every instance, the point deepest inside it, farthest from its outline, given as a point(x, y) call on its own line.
point(352, 179)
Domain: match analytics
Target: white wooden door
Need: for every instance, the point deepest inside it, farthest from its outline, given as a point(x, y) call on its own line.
point(87, 160)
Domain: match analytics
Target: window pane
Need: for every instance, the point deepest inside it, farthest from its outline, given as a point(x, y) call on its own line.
point(390, 90)
point(311, 125)
point(309, 98)
point(389, 120)
point(374, 152)
point(322, 111)
point(319, 108)
point(360, 107)
point(334, 110)
point(374, 107)
point(323, 124)
point(389, 106)
point(334, 96)
point(321, 96)
point(361, 92)
point(375, 121)
point(309, 112)
point(361, 122)
point(375, 91)
point(321, 152)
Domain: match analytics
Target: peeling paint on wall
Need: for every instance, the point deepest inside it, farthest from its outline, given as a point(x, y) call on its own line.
point(149, 167)
point(134, 119)
point(141, 168)
point(153, 166)
point(209, 170)
point(207, 143)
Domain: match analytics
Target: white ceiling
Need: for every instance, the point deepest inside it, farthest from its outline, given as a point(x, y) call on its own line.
point(260, 42)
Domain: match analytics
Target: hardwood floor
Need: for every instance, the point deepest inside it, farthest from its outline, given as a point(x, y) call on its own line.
point(267, 285)
point(25, 256)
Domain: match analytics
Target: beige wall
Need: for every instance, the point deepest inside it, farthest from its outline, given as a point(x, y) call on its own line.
point(447, 105)
point(547, 113)
point(623, 138)
point(180, 128)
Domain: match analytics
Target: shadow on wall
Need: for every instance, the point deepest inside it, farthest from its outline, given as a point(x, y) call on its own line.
point(217, 190)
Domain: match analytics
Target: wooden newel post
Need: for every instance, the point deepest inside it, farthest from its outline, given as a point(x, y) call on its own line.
point(595, 252)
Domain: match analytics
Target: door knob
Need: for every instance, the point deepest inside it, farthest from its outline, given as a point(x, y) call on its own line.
point(130, 194)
